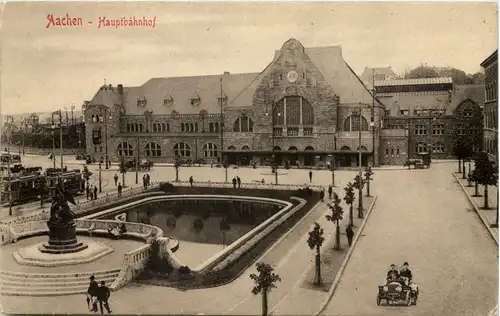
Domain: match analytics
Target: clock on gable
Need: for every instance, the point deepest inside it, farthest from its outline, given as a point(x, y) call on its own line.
point(292, 76)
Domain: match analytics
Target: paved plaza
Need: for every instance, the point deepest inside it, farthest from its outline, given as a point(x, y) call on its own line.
point(421, 216)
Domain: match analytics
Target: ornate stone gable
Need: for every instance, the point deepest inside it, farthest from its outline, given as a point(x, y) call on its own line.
point(294, 74)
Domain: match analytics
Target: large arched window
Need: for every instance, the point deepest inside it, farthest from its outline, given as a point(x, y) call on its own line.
point(245, 148)
point(125, 150)
point(345, 148)
point(210, 150)
point(231, 148)
point(351, 124)
point(293, 111)
point(152, 150)
point(363, 148)
point(243, 124)
point(182, 150)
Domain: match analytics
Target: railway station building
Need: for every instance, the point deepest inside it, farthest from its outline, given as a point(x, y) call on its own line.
point(307, 106)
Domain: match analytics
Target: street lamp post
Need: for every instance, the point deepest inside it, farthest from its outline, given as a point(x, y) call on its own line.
point(100, 177)
point(106, 135)
point(273, 123)
point(8, 171)
point(224, 163)
point(360, 165)
point(137, 162)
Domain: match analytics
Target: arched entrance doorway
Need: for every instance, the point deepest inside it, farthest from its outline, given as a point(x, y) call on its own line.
point(309, 156)
point(293, 157)
point(245, 158)
point(364, 157)
point(278, 154)
point(345, 159)
point(231, 157)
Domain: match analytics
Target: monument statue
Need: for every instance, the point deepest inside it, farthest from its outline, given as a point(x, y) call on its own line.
point(61, 224)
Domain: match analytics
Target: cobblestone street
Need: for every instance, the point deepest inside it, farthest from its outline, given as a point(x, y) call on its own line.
point(423, 217)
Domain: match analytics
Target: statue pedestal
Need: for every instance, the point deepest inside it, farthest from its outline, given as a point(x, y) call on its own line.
point(62, 239)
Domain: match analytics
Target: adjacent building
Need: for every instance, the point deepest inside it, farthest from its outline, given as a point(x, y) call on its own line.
point(490, 110)
point(423, 115)
point(377, 74)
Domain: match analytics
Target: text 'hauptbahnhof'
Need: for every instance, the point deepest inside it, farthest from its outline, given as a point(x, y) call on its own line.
point(307, 107)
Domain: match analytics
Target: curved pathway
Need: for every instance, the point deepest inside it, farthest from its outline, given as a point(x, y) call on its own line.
point(423, 217)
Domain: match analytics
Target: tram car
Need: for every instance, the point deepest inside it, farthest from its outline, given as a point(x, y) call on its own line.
point(25, 188)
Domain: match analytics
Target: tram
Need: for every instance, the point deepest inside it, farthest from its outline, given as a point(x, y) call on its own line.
point(26, 187)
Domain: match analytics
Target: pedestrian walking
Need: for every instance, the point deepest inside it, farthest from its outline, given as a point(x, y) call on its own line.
point(103, 295)
point(310, 176)
point(92, 294)
point(148, 179)
point(297, 163)
point(350, 234)
point(120, 188)
point(87, 192)
point(115, 177)
point(239, 182)
point(322, 195)
point(144, 184)
point(191, 180)
point(95, 192)
point(234, 182)
point(330, 192)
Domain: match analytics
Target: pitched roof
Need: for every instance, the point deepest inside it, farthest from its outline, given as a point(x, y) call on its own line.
point(238, 88)
point(341, 78)
point(475, 92)
point(412, 82)
point(367, 74)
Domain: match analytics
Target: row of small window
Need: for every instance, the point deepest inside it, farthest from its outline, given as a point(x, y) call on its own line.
point(168, 101)
point(293, 131)
point(165, 127)
point(435, 112)
point(491, 146)
point(491, 91)
point(419, 147)
point(437, 129)
point(467, 130)
point(491, 119)
point(154, 150)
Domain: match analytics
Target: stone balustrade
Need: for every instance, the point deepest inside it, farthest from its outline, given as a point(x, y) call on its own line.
point(249, 185)
point(111, 197)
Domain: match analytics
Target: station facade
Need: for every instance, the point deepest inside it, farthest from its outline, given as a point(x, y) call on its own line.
point(307, 107)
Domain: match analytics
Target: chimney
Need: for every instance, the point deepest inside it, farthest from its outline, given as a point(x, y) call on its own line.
point(120, 89)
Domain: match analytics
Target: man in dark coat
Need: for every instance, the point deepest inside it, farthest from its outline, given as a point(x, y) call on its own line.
point(103, 295)
point(406, 272)
point(92, 294)
point(239, 182)
point(322, 195)
point(234, 182)
point(95, 192)
point(310, 176)
point(393, 273)
point(330, 192)
point(87, 192)
point(350, 234)
point(191, 180)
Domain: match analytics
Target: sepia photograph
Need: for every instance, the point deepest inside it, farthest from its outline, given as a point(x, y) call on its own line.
point(249, 158)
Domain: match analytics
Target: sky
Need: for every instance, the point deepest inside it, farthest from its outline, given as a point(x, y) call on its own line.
point(45, 69)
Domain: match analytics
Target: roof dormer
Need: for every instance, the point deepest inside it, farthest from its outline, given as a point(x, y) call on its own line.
point(222, 99)
point(168, 100)
point(195, 99)
point(142, 102)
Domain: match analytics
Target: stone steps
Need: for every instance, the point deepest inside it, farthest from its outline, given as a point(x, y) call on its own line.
point(39, 284)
